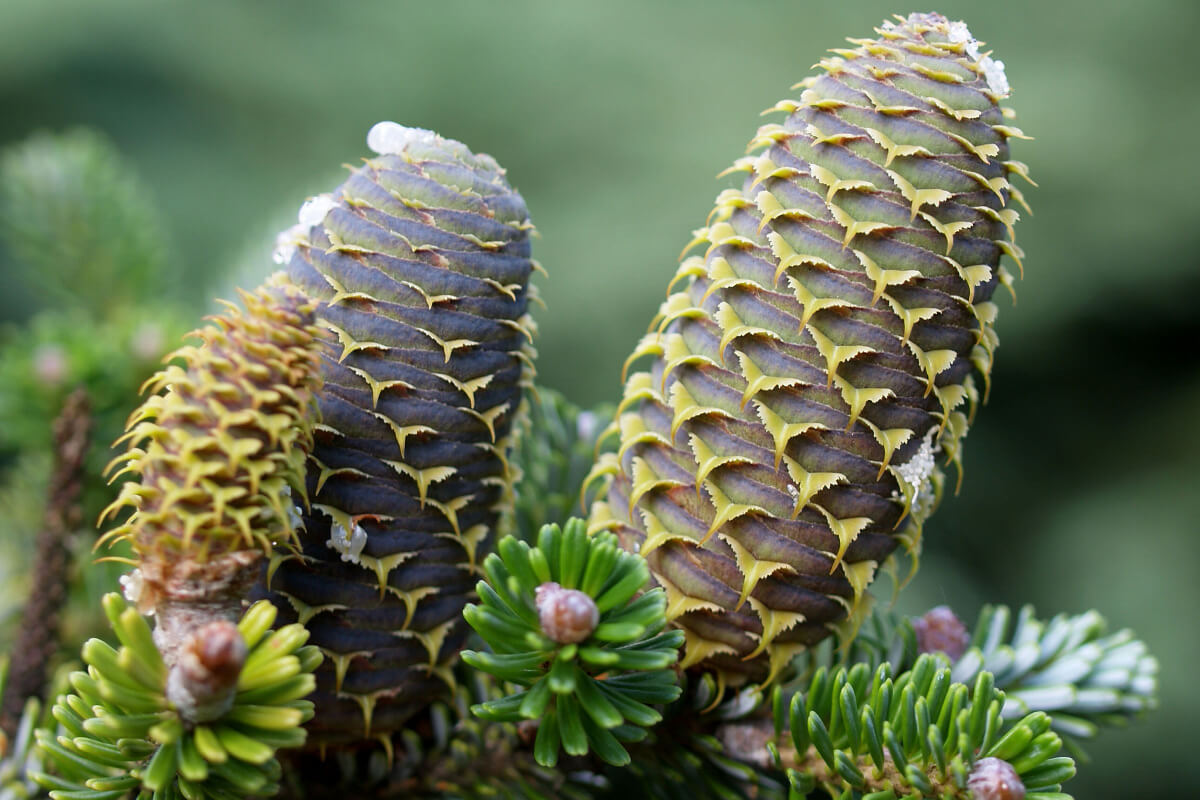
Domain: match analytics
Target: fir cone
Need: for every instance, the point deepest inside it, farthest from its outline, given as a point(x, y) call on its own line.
point(420, 261)
point(822, 350)
point(219, 453)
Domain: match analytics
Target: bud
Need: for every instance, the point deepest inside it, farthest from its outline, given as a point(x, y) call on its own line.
point(202, 683)
point(567, 615)
point(995, 779)
point(939, 630)
point(215, 654)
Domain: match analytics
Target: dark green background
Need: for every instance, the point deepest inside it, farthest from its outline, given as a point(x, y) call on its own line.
point(612, 119)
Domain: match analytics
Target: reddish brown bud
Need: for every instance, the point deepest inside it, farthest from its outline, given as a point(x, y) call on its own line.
point(203, 681)
point(940, 631)
point(215, 654)
point(567, 615)
point(995, 779)
point(527, 730)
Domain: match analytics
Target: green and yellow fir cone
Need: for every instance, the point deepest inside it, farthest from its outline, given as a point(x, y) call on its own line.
point(822, 351)
point(218, 453)
point(120, 735)
point(554, 452)
point(421, 261)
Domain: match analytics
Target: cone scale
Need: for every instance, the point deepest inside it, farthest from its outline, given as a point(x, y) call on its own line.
point(821, 349)
point(218, 454)
point(420, 261)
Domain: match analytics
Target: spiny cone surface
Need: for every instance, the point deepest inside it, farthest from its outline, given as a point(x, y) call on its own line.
point(219, 447)
point(421, 260)
point(817, 356)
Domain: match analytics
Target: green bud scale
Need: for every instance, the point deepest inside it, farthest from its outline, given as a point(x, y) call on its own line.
point(420, 261)
point(821, 351)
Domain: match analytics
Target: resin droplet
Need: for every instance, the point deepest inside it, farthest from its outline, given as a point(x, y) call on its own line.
point(995, 779)
point(314, 210)
point(567, 615)
point(941, 631)
point(997, 79)
point(349, 543)
point(392, 138)
point(133, 586)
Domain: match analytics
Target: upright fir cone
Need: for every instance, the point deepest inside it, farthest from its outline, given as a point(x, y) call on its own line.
point(219, 453)
point(421, 261)
point(816, 357)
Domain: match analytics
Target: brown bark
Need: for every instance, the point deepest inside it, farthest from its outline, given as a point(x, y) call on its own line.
point(37, 639)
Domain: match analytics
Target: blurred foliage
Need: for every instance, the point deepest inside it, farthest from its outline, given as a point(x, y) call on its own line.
point(80, 232)
point(23, 491)
point(78, 224)
point(22, 494)
point(612, 119)
point(43, 361)
point(64, 201)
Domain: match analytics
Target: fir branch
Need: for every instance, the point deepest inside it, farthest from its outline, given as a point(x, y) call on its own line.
point(1068, 666)
point(445, 752)
point(37, 639)
point(562, 620)
point(462, 756)
point(711, 745)
point(120, 734)
point(917, 735)
point(555, 449)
